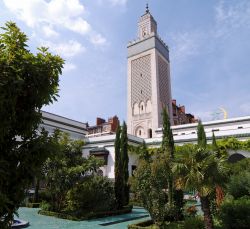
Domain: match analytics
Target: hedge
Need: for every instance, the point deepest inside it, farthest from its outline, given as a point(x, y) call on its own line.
point(33, 205)
point(90, 215)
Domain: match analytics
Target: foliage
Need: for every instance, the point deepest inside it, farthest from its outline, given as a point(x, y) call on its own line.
point(121, 167)
point(93, 193)
point(27, 82)
point(151, 179)
point(202, 141)
point(65, 168)
point(191, 210)
point(167, 145)
point(119, 188)
point(240, 166)
point(194, 223)
point(239, 185)
point(201, 170)
point(235, 213)
point(90, 215)
point(125, 160)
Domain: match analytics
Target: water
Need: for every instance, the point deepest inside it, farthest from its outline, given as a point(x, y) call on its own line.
point(46, 222)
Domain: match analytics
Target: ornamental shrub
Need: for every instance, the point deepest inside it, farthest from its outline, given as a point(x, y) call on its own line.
point(239, 185)
point(94, 193)
point(193, 223)
point(235, 214)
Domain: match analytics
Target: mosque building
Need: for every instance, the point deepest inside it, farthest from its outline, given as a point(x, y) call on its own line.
point(149, 91)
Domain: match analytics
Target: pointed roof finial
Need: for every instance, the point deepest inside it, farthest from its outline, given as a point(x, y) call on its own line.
point(147, 10)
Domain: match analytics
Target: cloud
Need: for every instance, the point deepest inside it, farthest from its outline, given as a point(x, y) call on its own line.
point(67, 14)
point(229, 17)
point(98, 39)
point(185, 45)
point(48, 31)
point(65, 49)
point(68, 67)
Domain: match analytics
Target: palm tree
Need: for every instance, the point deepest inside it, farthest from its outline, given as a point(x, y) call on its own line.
point(201, 170)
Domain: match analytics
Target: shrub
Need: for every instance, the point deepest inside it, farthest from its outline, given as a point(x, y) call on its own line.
point(235, 213)
point(194, 223)
point(33, 205)
point(94, 193)
point(239, 185)
point(45, 206)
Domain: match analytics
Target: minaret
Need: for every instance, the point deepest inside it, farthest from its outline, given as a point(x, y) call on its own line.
point(149, 85)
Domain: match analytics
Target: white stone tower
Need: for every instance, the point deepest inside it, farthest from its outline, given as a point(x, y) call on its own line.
point(149, 86)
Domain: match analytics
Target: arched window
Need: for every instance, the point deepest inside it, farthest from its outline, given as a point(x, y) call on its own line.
point(140, 132)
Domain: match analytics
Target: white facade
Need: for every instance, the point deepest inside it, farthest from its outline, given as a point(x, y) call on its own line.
point(108, 142)
point(76, 129)
point(149, 86)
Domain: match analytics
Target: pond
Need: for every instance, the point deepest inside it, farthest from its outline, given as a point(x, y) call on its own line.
point(113, 222)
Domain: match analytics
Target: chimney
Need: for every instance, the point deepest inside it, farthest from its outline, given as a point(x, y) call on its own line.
point(99, 121)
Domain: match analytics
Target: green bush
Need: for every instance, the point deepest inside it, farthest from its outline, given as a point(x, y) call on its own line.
point(94, 193)
point(193, 223)
point(235, 214)
point(239, 185)
point(33, 205)
point(45, 206)
point(87, 216)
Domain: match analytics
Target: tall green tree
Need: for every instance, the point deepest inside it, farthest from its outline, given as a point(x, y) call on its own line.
point(119, 188)
point(202, 140)
point(167, 144)
point(27, 82)
point(125, 160)
point(168, 151)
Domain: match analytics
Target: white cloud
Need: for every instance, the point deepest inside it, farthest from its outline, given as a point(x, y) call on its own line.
point(231, 16)
point(65, 49)
point(58, 13)
point(48, 31)
point(68, 67)
point(98, 39)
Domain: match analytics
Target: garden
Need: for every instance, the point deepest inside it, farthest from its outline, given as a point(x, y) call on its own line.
point(164, 174)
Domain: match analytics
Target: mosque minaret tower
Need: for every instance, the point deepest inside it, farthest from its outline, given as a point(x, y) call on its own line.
point(149, 85)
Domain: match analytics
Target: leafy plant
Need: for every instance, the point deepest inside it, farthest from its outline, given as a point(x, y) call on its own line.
point(27, 82)
point(235, 213)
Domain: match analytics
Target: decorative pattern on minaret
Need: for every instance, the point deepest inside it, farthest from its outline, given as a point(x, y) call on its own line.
point(141, 79)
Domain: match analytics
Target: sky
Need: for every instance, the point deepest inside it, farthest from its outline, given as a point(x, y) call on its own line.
point(209, 43)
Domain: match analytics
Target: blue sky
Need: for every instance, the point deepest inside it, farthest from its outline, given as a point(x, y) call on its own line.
point(209, 44)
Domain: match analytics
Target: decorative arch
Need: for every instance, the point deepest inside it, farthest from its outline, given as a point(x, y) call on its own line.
point(139, 131)
point(142, 107)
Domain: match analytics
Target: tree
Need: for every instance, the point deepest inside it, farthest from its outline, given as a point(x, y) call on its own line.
point(168, 151)
point(167, 144)
point(124, 161)
point(201, 170)
point(202, 141)
point(150, 182)
point(118, 169)
point(66, 168)
point(27, 82)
